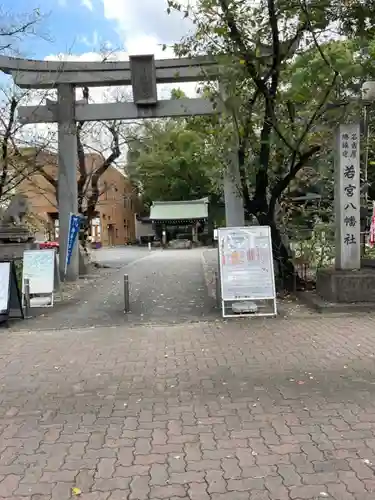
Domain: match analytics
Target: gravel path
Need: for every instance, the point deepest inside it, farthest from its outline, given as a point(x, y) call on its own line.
point(165, 287)
point(170, 287)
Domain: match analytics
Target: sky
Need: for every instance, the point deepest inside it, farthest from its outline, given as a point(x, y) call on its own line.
point(82, 26)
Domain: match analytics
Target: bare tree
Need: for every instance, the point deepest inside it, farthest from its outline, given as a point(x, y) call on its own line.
point(88, 180)
point(19, 158)
point(15, 166)
point(89, 173)
point(16, 28)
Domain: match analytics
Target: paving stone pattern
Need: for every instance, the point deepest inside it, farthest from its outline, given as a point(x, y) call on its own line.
point(245, 410)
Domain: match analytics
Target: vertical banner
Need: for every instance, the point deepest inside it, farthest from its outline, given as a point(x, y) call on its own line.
point(74, 227)
point(347, 198)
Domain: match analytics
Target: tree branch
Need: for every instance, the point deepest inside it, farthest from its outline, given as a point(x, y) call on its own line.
point(5, 145)
point(236, 37)
point(243, 149)
point(115, 153)
point(51, 180)
point(248, 56)
point(276, 48)
point(285, 181)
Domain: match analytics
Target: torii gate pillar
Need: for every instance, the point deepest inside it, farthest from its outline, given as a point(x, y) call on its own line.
point(234, 208)
point(67, 176)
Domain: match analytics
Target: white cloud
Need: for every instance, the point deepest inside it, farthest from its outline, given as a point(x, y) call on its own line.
point(92, 42)
point(88, 4)
point(135, 18)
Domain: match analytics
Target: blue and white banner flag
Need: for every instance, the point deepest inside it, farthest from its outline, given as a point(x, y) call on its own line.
point(74, 226)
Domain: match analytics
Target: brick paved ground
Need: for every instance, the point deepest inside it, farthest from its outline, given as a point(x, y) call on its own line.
point(256, 410)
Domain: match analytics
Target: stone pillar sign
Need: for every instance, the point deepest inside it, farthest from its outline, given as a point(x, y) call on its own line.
point(347, 198)
point(143, 80)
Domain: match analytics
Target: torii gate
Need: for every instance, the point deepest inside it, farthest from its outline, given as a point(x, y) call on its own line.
point(143, 73)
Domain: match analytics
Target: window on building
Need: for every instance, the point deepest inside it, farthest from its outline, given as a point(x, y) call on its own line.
point(105, 190)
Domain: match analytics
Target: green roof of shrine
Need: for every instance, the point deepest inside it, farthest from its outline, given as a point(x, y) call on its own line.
point(179, 210)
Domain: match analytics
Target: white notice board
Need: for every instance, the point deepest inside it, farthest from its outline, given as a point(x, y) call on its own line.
point(39, 268)
point(4, 286)
point(246, 263)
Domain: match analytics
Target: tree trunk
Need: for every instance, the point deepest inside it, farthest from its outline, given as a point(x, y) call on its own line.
point(83, 237)
point(288, 278)
point(285, 273)
point(85, 232)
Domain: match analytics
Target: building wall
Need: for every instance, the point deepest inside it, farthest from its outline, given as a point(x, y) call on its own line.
point(116, 207)
point(143, 229)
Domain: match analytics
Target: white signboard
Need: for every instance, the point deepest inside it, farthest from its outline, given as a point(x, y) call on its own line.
point(246, 263)
point(347, 198)
point(39, 268)
point(4, 286)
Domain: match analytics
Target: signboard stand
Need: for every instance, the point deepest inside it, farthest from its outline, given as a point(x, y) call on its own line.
point(10, 296)
point(41, 269)
point(246, 272)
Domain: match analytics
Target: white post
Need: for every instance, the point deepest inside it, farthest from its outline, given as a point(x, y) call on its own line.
point(347, 198)
point(67, 176)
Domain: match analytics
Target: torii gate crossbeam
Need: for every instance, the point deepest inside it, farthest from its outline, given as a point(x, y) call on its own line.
point(143, 73)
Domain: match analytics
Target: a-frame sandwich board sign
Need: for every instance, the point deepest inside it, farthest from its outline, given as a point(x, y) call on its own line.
point(10, 295)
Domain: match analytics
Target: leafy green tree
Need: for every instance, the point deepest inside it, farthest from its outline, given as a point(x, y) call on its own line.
point(171, 161)
point(306, 82)
point(276, 117)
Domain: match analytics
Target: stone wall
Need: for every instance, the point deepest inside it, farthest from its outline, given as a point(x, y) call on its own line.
point(346, 286)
